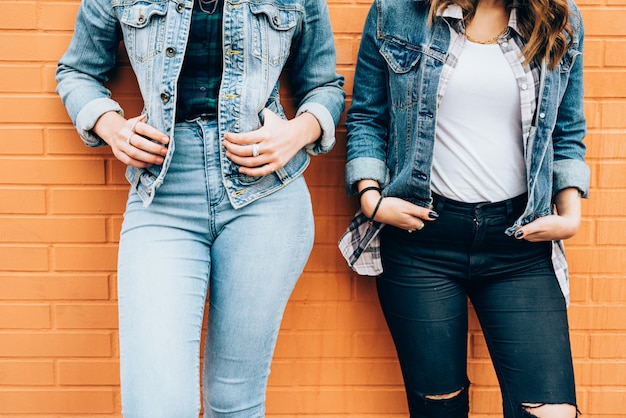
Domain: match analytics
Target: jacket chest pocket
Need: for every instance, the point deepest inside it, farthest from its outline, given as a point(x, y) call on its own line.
point(273, 28)
point(143, 25)
point(402, 63)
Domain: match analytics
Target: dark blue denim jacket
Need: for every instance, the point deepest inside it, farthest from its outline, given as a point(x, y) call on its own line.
point(259, 37)
point(391, 122)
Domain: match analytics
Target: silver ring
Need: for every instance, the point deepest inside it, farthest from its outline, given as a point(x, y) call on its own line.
point(255, 150)
point(132, 128)
point(410, 231)
point(129, 137)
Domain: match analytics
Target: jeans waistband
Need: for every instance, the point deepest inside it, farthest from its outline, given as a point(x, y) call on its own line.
point(504, 207)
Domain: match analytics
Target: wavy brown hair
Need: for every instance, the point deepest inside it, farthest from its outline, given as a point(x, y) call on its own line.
point(544, 24)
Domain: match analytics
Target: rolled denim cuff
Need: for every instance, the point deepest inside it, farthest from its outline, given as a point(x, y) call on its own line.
point(326, 142)
point(365, 168)
point(571, 173)
point(89, 115)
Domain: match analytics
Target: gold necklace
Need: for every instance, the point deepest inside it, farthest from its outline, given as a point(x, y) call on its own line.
point(488, 41)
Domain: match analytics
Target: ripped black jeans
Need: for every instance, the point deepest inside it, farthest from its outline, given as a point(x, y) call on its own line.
point(428, 277)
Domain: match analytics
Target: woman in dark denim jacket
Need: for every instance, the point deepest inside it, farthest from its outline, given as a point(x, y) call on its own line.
point(465, 139)
point(227, 210)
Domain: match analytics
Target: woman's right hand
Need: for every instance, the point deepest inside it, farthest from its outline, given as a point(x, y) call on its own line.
point(395, 211)
point(134, 142)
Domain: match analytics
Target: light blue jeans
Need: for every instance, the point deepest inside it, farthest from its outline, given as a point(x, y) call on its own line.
point(190, 242)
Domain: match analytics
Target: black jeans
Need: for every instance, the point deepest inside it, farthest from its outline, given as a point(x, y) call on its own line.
point(428, 276)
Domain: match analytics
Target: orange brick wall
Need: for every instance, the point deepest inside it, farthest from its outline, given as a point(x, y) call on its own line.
point(60, 215)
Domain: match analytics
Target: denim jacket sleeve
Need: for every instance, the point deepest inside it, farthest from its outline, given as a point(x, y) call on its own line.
point(368, 117)
point(316, 87)
point(570, 169)
point(83, 69)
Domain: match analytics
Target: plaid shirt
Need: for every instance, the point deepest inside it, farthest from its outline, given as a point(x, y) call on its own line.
point(360, 244)
point(201, 74)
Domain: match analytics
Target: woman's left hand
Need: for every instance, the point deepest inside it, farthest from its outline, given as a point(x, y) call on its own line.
point(556, 227)
point(270, 147)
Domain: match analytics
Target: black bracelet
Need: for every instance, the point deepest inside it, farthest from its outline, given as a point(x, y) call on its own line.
point(371, 219)
point(367, 189)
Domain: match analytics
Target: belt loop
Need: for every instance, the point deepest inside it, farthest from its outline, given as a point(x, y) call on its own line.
point(438, 202)
point(509, 206)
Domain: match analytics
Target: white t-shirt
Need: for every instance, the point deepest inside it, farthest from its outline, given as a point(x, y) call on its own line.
point(478, 154)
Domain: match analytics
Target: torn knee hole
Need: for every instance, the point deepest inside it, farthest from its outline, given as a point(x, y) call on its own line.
point(541, 410)
point(444, 396)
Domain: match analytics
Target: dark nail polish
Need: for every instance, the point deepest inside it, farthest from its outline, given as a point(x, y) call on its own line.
point(519, 234)
point(433, 215)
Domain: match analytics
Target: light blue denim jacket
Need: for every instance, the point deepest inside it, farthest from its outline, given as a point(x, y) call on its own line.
point(391, 123)
point(259, 37)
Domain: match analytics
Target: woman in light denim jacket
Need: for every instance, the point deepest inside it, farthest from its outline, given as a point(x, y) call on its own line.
point(217, 200)
point(465, 131)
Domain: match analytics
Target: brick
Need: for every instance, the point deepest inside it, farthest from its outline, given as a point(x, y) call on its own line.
point(340, 316)
point(344, 372)
point(606, 146)
point(600, 260)
point(24, 316)
point(594, 55)
point(22, 201)
point(374, 344)
point(54, 287)
point(26, 373)
point(52, 230)
point(601, 374)
point(15, 258)
point(91, 316)
point(327, 172)
point(21, 141)
point(613, 114)
point(588, 317)
point(328, 229)
point(294, 344)
point(345, 50)
point(611, 231)
point(603, 21)
point(482, 373)
point(22, 78)
point(338, 401)
point(22, 15)
point(66, 141)
point(54, 344)
point(89, 373)
point(608, 289)
point(597, 204)
point(116, 173)
point(607, 401)
point(28, 46)
point(348, 19)
point(607, 346)
point(57, 401)
point(109, 200)
point(611, 174)
point(85, 259)
point(19, 109)
point(605, 83)
point(614, 53)
point(324, 259)
point(51, 171)
point(331, 201)
point(322, 287)
point(58, 16)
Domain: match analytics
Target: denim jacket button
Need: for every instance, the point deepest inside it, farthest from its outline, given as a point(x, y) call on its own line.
point(276, 20)
point(170, 52)
point(542, 115)
point(165, 97)
point(180, 7)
